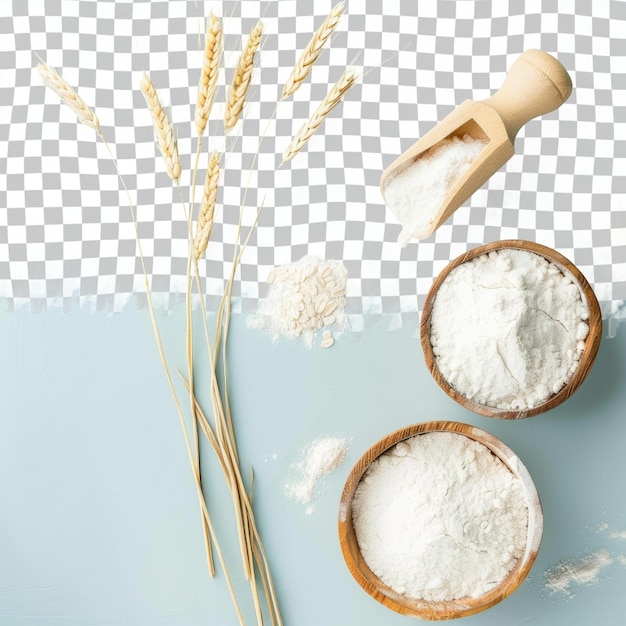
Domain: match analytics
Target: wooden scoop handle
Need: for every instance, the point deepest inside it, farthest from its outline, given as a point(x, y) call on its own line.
point(535, 84)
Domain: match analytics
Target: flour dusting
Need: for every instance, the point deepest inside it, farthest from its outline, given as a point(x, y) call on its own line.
point(584, 571)
point(321, 457)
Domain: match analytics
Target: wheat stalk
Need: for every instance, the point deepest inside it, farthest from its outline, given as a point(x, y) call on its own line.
point(332, 99)
point(208, 76)
point(52, 79)
point(242, 77)
point(163, 129)
point(207, 209)
point(85, 115)
point(312, 51)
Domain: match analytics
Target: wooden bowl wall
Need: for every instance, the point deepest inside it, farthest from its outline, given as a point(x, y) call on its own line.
point(592, 342)
point(454, 608)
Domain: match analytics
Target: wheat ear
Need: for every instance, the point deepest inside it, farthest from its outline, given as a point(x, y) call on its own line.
point(242, 77)
point(52, 79)
point(332, 99)
point(208, 77)
point(163, 129)
point(207, 209)
point(312, 51)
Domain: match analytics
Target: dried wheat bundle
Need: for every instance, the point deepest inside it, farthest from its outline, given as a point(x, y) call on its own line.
point(242, 78)
point(208, 77)
point(312, 51)
point(332, 99)
point(52, 79)
point(207, 209)
point(163, 129)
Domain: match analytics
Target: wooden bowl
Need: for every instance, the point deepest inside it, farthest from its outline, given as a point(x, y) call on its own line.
point(592, 342)
point(453, 608)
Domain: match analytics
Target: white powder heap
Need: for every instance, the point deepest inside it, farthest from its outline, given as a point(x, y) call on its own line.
point(305, 297)
point(321, 457)
point(584, 571)
point(416, 194)
point(508, 329)
point(439, 517)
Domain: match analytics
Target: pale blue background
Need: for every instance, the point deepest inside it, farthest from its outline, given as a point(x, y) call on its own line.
point(100, 524)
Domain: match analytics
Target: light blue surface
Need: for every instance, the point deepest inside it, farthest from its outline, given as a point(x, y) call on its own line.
point(100, 521)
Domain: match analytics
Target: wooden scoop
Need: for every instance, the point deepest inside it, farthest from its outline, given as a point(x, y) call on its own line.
point(535, 84)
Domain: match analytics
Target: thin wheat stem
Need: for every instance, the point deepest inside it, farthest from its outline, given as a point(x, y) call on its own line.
point(194, 417)
point(159, 342)
point(190, 369)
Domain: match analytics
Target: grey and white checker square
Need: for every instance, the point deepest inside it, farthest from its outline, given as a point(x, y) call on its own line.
point(66, 232)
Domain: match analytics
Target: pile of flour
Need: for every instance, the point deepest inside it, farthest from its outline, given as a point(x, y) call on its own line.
point(321, 457)
point(416, 194)
point(439, 517)
point(508, 329)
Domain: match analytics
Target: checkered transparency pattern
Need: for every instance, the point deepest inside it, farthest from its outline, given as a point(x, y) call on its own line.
point(65, 230)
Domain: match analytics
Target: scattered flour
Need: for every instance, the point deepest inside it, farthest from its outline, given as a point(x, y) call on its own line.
point(508, 329)
point(439, 517)
point(584, 571)
point(416, 194)
point(321, 457)
point(305, 297)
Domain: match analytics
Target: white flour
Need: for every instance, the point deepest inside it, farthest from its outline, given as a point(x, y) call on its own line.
point(508, 329)
point(304, 298)
point(584, 571)
point(439, 517)
point(416, 194)
point(321, 457)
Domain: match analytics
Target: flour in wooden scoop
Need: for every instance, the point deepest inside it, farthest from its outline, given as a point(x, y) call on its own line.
point(415, 195)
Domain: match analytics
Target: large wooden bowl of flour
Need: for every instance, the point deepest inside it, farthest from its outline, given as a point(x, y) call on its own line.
point(510, 329)
point(439, 520)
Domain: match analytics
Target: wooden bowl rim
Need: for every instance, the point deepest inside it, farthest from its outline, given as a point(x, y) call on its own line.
point(462, 607)
point(592, 342)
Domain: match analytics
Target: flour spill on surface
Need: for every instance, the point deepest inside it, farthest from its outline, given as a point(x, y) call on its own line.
point(321, 457)
point(565, 576)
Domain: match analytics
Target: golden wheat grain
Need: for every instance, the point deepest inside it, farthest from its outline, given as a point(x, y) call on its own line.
point(52, 79)
point(208, 76)
point(207, 209)
point(163, 129)
point(332, 99)
point(312, 51)
point(242, 77)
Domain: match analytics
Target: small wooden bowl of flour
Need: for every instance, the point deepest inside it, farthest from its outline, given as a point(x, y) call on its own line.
point(439, 520)
point(510, 329)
